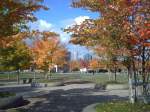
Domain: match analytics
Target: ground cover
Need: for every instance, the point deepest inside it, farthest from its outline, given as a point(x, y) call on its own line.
point(122, 107)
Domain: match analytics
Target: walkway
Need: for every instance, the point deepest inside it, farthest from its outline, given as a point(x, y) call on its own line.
point(70, 98)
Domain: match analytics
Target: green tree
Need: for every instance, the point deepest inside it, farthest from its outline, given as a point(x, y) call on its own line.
point(15, 58)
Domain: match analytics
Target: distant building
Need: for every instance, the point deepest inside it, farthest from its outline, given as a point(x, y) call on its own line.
point(66, 67)
point(87, 57)
point(74, 55)
point(68, 58)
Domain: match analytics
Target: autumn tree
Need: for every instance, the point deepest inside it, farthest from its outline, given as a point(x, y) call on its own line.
point(47, 51)
point(122, 29)
point(15, 14)
point(94, 64)
point(15, 57)
point(84, 63)
point(74, 65)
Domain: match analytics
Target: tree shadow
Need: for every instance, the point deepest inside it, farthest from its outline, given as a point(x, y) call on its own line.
point(19, 89)
point(73, 100)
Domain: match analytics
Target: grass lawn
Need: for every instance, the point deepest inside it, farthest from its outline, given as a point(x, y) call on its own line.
point(122, 107)
point(13, 76)
point(97, 78)
point(101, 78)
point(14, 110)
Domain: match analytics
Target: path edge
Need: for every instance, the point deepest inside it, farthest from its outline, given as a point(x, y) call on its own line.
point(90, 108)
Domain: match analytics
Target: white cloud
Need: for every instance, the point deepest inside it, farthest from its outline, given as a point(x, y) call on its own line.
point(66, 22)
point(63, 36)
point(80, 19)
point(42, 25)
point(73, 21)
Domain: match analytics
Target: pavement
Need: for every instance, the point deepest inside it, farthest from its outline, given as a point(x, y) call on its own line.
point(69, 98)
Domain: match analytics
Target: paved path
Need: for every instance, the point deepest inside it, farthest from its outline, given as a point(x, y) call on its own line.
point(70, 98)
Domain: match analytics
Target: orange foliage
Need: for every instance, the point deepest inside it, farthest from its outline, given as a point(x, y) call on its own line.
point(94, 64)
point(74, 65)
point(8, 41)
point(48, 51)
point(146, 44)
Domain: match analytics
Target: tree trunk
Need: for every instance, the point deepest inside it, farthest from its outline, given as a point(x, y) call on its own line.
point(143, 73)
point(34, 76)
point(135, 82)
point(8, 75)
point(50, 74)
point(109, 74)
point(115, 74)
point(131, 95)
point(18, 76)
point(46, 75)
point(34, 71)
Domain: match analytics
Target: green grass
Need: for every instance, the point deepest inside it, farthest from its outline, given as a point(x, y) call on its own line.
point(122, 107)
point(100, 78)
point(6, 94)
point(15, 110)
point(103, 78)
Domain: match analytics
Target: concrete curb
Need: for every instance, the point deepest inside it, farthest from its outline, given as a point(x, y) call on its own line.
point(41, 85)
point(117, 86)
point(11, 101)
point(90, 108)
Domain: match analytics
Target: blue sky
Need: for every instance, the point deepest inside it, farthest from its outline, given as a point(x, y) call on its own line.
point(61, 15)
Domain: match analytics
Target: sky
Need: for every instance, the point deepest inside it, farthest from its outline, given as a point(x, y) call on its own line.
point(59, 16)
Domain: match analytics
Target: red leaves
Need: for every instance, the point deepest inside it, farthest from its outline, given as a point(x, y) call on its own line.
point(133, 40)
point(84, 63)
point(135, 1)
point(102, 1)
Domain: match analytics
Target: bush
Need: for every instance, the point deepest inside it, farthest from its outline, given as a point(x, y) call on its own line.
point(113, 82)
point(6, 94)
point(12, 102)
